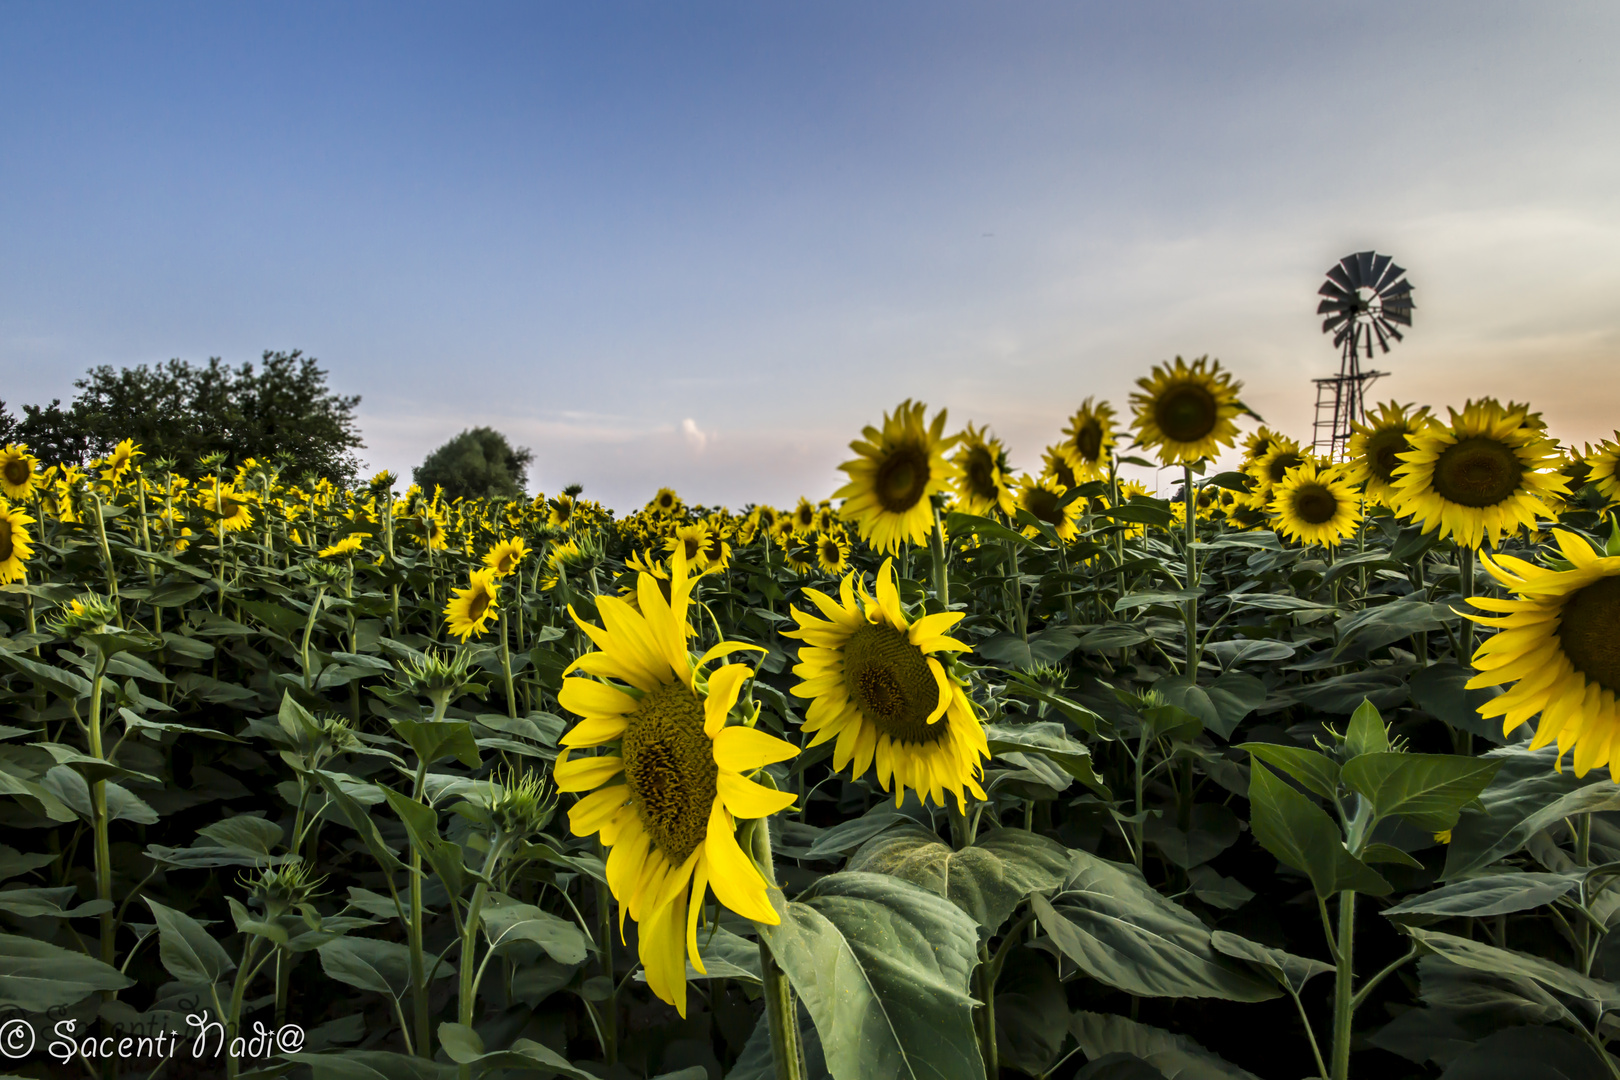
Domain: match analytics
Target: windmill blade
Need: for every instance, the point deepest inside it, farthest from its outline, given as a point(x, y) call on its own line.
point(1391, 331)
point(1333, 324)
point(1391, 274)
point(1342, 277)
point(1331, 305)
point(1377, 327)
point(1364, 262)
point(1398, 289)
point(1380, 263)
point(1333, 288)
point(1398, 313)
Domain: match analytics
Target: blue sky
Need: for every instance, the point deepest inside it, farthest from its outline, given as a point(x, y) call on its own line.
point(704, 244)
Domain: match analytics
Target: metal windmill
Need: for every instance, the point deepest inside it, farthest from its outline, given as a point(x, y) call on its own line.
point(1365, 297)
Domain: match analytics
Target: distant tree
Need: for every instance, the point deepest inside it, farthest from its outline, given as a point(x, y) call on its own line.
point(478, 463)
point(283, 411)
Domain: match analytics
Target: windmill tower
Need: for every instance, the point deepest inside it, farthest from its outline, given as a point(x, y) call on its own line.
point(1365, 297)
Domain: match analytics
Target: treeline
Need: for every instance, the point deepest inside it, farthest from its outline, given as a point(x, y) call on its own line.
point(279, 411)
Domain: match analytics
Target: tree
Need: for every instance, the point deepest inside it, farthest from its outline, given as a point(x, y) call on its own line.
point(478, 463)
point(283, 410)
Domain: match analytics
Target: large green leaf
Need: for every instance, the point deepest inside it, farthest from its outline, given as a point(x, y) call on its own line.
point(187, 950)
point(422, 823)
point(36, 976)
point(383, 967)
point(1440, 690)
point(1528, 1053)
point(1051, 739)
point(373, 1065)
point(1428, 790)
point(51, 901)
point(1289, 970)
point(464, 1046)
point(987, 879)
point(506, 922)
point(1124, 933)
point(1176, 1056)
point(883, 968)
point(1526, 796)
point(435, 739)
point(1032, 1012)
point(1316, 772)
point(1597, 994)
point(1300, 833)
point(1498, 894)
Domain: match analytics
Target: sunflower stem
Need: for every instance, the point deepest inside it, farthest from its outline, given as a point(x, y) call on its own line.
point(781, 1011)
point(1344, 990)
point(1464, 741)
point(1190, 503)
point(942, 575)
point(506, 667)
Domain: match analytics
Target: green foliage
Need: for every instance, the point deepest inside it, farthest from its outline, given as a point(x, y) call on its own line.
point(477, 464)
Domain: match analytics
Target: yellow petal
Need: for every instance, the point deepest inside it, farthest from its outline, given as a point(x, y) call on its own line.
point(597, 809)
point(584, 774)
point(746, 799)
point(732, 875)
point(724, 686)
point(741, 749)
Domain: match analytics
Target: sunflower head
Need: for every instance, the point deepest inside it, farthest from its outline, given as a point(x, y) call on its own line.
point(804, 516)
point(1185, 411)
point(1557, 642)
point(898, 468)
point(344, 547)
point(674, 774)
point(1486, 475)
point(982, 474)
point(505, 557)
point(19, 472)
point(471, 609)
point(1256, 443)
point(1043, 498)
point(1315, 504)
point(693, 542)
point(16, 546)
point(1089, 439)
point(1375, 448)
point(832, 551)
point(667, 503)
point(1604, 468)
point(882, 684)
point(90, 613)
point(120, 461)
point(1057, 466)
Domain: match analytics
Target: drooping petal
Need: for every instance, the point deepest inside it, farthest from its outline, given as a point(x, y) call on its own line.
point(746, 799)
point(724, 687)
point(584, 774)
point(732, 875)
point(741, 749)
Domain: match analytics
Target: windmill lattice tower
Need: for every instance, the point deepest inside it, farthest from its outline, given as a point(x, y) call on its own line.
point(1366, 296)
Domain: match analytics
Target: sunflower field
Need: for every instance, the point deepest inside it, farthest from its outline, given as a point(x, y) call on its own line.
point(963, 773)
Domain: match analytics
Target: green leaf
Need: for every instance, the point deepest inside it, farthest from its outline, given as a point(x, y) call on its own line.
point(66, 684)
point(1526, 796)
point(1528, 1053)
point(1032, 1013)
point(882, 967)
point(1052, 740)
point(1123, 933)
point(1213, 829)
point(1317, 773)
point(1366, 733)
point(851, 834)
point(1301, 834)
point(1171, 597)
point(464, 1046)
point(1176, 1056)
point(1290, 971)
point(959, 524)
point(422, 823)
point(14, 862)
point(507, 921)
point(245, 833)
point(1428, 790)
point(1479, 956)
point(49, 901)
point(1439, 690)
point(988, 879)
point(281, 620)
point(36, 976)
point(359, 819)
point(1498, 894)
point(187, 950)
point(435, 739)
point(383, 967)
point(1234, 696)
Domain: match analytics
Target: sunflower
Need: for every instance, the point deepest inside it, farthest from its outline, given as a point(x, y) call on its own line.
point(826, 518)
point(16, 546)
point(344, 547)
point(121, 460)
point(19, 472)
point(875, 687)
point(1484, 476)
point(692, 541)
point(1091, 438)
point(760, 522)
point(505, 556)
point(832, 551)
point(1316, 504)
point(232, 506)
point(981, 481)
point(560, 514)
point(717, 548)
point(470, 610)
point(1055, 465)
point(1269, 468)
point(804, 516)
point(1375, 448)
point(1557, 643)
point(1256, 443)
point(666, 502)
point(666, 795)
point(431, 532)
point(1604, 463)
point(899, 468)
point(1187, 410)
point(1041, 498)
point(1128, 490)
point(799, 553)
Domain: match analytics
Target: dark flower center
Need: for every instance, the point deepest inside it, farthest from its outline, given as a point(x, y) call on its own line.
point(1477, 472)
point(889, 679)
point(902, 478)
point(1315, 505)
point(669, 768)
point(1382, 450)
point(477, 604)
point(1277, 470)
point(7, 544)
point(1589, 632)
point(980, 470)
point(17, 472)
point(1088, 440)
point(1186, 413)
point(1043, 504)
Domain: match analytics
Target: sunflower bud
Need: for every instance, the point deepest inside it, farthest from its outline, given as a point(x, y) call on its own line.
point(436, 674)
point(90, 613)
point(523, 805)
point(281, 889)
